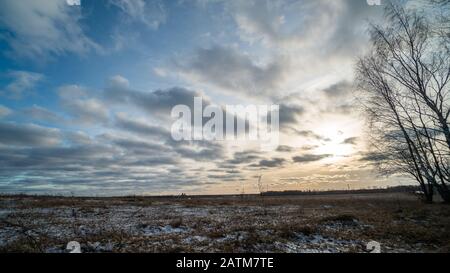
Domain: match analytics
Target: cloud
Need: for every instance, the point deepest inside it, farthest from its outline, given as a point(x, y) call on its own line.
point(232, 71)
point(309, 147)
point(108, 164)
point(199, 151)
point(21, 82)
point(325, 25)
point(285, 149)
point(160, 72)
point(308, 134)
point(345, 108)
point(37, 29)
point(196, 150)
point(142, 128)
point(83, 108)
point(118, 82)
point(225, 177)
point(373, 157)
point(348, 37)
point(152, 161)
point(28, 135)
point(151, 13)
point(78, 138)
point(244, 157)
point(350, 140)
point(270, 163)
point(39, 113)
point(309, 158)
point(258, 20)
point(58, 158)
point(138, 146)
point(158, 103)
point(289, 113)
point(338, 90)
point(4, 111)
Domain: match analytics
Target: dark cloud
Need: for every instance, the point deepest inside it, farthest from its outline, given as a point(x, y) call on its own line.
point(139, 127)
point(350, 140)
point(152, 161)
point(243, 157)
point(200, 151)
point(78, 138)
point(285, 148)
point(228, 69)
point(373, 157)
point(340, 100)
point(28, 135)
point(310, 158)
point(159, 102)
point(338, 90)
point(270, 163)
point(308, 134)
point(289, 113)
point(197, 150)
point(136, 146)
point(309, 147)
point(115, 162)
point(57, 158)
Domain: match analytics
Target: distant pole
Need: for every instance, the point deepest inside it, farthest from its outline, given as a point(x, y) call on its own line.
point(348, 186)
point(260, 186)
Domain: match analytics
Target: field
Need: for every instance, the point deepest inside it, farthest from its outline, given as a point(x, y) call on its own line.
point(307, 224)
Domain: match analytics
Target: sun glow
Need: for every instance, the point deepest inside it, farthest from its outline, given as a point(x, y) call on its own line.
point(336, 149)
point(336, 132)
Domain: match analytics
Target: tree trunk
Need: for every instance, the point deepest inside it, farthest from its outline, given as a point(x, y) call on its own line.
point(445, 194)
point(429, 195)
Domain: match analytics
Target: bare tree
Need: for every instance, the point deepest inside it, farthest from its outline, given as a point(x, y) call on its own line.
point(406, 95)
point(260, 185)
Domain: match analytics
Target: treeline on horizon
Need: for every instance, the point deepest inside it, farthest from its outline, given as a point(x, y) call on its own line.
point(393, 189)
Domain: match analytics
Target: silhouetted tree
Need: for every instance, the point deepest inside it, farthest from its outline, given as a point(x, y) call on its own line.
point(405, 90)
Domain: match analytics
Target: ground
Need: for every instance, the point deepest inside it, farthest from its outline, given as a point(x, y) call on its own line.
point(318, 223)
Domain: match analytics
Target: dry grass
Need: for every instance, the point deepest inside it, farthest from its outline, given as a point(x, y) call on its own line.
point(329, 223)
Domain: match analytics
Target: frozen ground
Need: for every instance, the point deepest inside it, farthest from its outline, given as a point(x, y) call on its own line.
point(307, 224)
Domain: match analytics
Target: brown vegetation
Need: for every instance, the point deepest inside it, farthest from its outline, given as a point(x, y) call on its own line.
point(328, 223)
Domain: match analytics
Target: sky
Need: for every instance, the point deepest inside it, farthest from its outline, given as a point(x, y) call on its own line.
point(86, 90)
